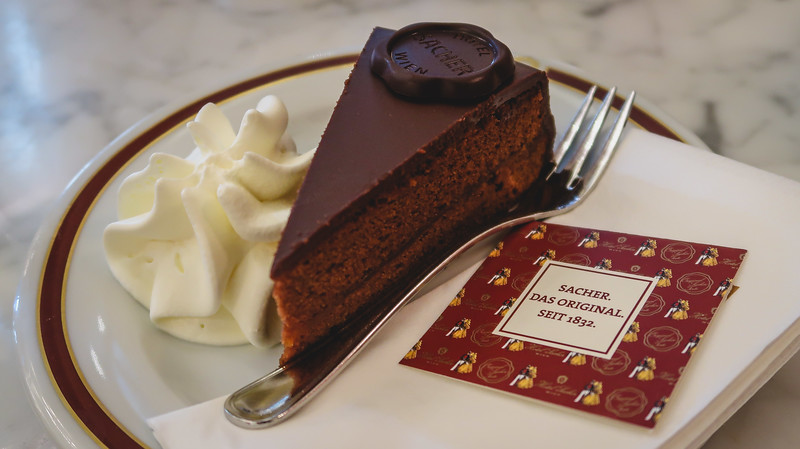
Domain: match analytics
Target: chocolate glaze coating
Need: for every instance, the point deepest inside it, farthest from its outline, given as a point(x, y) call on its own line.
point(390, 130)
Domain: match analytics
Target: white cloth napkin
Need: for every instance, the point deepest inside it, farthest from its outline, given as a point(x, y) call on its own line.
point(654, 186)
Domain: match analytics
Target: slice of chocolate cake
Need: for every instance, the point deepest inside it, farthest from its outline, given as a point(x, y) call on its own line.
point(437, 131)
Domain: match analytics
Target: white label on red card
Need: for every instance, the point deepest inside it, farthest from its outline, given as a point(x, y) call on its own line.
point(576, 308)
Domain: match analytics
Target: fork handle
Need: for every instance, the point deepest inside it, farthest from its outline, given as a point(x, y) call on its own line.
point(276, 396)
point(273, 398)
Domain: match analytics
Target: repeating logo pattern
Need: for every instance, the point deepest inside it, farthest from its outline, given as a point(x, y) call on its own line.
point(635, 384)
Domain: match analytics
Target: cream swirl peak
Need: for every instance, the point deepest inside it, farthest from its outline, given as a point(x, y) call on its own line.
point(196, 236)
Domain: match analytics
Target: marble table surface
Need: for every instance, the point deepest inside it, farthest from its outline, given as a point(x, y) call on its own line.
point(76, 73)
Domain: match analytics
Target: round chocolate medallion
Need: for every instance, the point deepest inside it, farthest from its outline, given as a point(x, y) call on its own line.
point(446, 61)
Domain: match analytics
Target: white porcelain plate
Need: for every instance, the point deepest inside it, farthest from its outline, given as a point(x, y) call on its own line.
point(95, 365)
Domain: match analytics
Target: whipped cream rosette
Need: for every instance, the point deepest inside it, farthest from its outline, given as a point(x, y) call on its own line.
point(196, 236)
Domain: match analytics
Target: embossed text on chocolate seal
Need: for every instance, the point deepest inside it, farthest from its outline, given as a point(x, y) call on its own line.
point(443, 61)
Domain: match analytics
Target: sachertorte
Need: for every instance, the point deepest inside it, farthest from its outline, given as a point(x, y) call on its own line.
point(438, 130)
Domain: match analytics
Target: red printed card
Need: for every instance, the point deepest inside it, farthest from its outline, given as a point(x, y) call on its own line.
point(593, 320)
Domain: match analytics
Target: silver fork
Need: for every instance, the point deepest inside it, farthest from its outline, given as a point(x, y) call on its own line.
point(274, 397)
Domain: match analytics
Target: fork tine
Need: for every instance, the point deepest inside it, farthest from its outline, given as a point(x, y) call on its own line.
point(579, 158)
point(572, 131)
point(597, 169)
